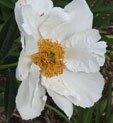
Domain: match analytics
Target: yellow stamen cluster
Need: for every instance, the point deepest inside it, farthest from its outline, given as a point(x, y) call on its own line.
point(50, 58)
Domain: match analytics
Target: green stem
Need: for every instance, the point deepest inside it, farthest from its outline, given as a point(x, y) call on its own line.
point(8, 66)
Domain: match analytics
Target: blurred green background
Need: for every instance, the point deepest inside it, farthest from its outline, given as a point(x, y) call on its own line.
point(10, 48)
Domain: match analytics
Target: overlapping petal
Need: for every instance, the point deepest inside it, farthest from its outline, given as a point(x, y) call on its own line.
point(63, 23)
point(55, 25)
point(82, 89)
point(99, 50)
point(62, 103)
point(80, 14)
point(29, 16)
point(40, 6)
point(23, 67)
point(88, 86)
point(84, 52)
point(19, 19)
point(30, 45)
point(30, 100)
point(81, 83)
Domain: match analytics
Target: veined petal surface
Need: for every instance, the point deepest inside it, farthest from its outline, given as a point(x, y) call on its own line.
point(88, 86)
point(84, 53)
point(62, 103)
point(23, 66)
point(30, 45)
point(80, 15)
point(63, 23)
point(30, 100)
point(30, 14)
point(82, 89)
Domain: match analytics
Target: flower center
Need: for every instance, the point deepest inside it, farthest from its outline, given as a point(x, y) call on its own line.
point(50, 58)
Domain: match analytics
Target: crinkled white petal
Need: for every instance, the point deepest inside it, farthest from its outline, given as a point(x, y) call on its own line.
point(88, 86)
point(30, 100)
point(62, 103)
point(88, 36)
point(84, 53)
point(61, 93)
point(32, 21)
point(30, 46)
point(30, 14)
point(55, 25)
point(80, 14)
point(23, 67)
point(99, 50)
point(18, 13)
point(40, 6)
point(82, 89)
point(62, 23)
point(19, 19)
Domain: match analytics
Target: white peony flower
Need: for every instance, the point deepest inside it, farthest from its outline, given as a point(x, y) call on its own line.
point(66, 60)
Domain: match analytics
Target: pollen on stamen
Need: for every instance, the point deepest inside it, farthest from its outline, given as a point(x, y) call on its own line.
point(42, 14)
point(25, 1)
point(50, 57)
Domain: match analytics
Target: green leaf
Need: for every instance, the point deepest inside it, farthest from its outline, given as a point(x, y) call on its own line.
point(5, 13)
point(13, 1)
point(99, 3)
point(5, 66)
point(15, 49)
point(74, 119)
point(7, 35)
point(90, 2)
point(104, 26)
point(109, 99)
point(58, 112)
point(103, 107)
point(1, 26)
point(2, 86)
point(104, 9)
point(87, 117)
point(98, 112)
point(80, 115)
point(10, 93)
point(61, 3)
point(108, 40)
point(47, 120)
point(7, 4)
point(1, 101)
point(84, 115)
point(111, 119)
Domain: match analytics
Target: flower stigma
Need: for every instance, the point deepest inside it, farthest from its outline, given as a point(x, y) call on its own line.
point(50, 57)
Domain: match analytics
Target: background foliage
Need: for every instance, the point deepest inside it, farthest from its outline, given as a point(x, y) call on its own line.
point(10, 48)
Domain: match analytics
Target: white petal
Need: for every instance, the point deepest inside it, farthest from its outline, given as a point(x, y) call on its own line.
point(88, 86)
point(55, 25)
point(87, 36)
point(30, 46)
point(19, 19)
point(62, 23)
point(18, 13)
point(99, 50)
point(84, 53)
point(31, 22)
point(58, 86)
point(30, 100)
point(62, 103)
point(40, 6)
point(23, 67)
point(80, 14)
point(82, 89)
point(28, 15)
